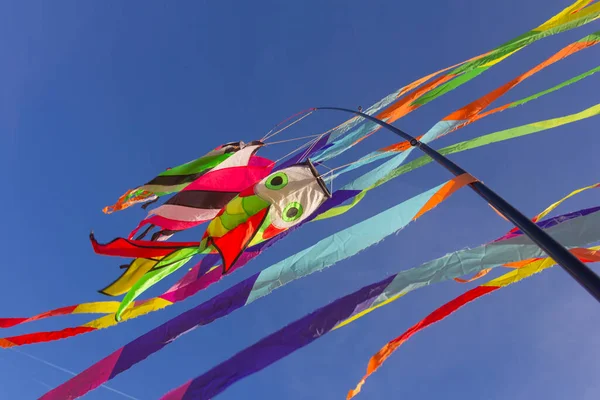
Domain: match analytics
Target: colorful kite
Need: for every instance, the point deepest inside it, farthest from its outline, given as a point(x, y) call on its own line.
point(469, 113)
point(270, 207)
point(208, 272)
point(250, 203)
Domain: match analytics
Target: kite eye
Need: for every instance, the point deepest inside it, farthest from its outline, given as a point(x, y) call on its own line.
point(292, 212)
point(277, 182)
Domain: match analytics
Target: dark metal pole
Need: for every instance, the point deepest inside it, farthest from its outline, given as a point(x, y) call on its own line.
point(577, 269)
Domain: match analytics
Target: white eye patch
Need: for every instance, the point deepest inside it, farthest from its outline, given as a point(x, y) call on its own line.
point(295, 193)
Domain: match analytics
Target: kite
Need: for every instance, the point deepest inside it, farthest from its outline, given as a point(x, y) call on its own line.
point(204, 274)
point(271, 199)
point(573, 230)
point(270, 207)
point(466, 115)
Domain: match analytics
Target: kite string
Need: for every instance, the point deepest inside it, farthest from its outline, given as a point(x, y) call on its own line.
point(368, 157)
point(270, 134)
point(293, 139)
point(319, 137)
point(311, 143)
point(296, 150)
point(323, 175)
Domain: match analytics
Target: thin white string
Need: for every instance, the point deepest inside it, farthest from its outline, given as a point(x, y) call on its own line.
point(323, 164)
point(329, 175)
point(313, 144)
point(296, 149)
point(286, 120)
point(270, 135)
point(359, 160)
point(293, 139)
point(316, 141)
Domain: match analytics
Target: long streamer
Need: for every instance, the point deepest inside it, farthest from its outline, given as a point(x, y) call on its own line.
point(464, 72)
point(474, 143)
point(475, 110)
point(516, 231)
point(531, 268)
point(574, 232)
point(553, 206)
point(463, 117)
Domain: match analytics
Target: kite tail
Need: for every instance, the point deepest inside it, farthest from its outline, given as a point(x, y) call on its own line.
point(129, 198)
point(133, 272)
point(161, 270)
point(100, 307)
point(281, 343)
point(460, 74)
point(529, 269)
point(474, 111)
point(516, 231)
point(179, 292)
point(495, 137)
point(121, 247)
point(554, 205)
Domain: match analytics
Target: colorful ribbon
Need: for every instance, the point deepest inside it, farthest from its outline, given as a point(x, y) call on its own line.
point(464, 72)
point(572, 233)
point(205, 273)
point(491, 138)
point(316, 258)
point(527, 270)
point(573, 230)
point(408, 211)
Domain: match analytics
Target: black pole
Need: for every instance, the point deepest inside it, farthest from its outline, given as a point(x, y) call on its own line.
point(577, 269)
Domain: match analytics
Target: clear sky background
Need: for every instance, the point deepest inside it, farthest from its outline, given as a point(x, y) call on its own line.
point(99, 96)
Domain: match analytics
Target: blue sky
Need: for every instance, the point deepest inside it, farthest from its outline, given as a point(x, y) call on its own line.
point(100, 96)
